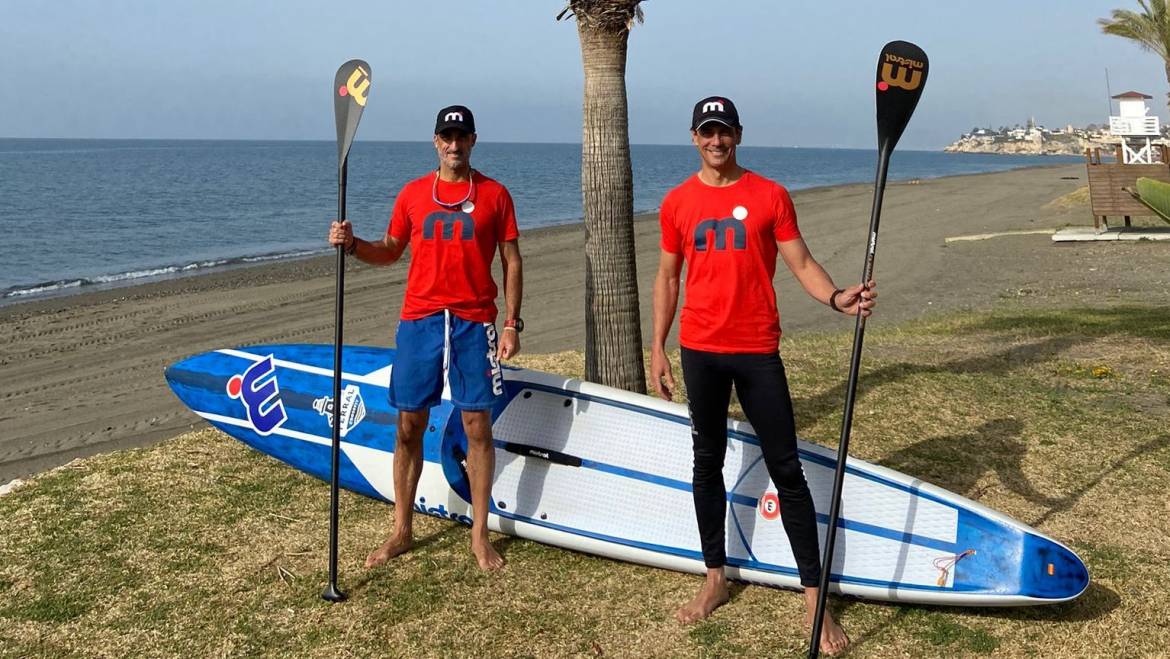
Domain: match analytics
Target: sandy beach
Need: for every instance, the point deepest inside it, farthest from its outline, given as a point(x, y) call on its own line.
point(84, 374)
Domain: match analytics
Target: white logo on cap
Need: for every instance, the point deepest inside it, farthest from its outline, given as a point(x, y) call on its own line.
point(713, 106)
point(453, 116)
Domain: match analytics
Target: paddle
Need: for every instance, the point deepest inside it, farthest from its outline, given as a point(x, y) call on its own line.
point(350, 88)
point(901, 76)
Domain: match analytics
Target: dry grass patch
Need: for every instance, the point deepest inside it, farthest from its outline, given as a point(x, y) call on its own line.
point(201, 547)
point(1078, 198)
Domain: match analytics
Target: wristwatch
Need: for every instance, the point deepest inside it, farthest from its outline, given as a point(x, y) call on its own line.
point(515, 324)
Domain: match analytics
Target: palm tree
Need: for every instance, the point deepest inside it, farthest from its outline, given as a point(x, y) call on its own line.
point(613, 331)
point(1150, 29)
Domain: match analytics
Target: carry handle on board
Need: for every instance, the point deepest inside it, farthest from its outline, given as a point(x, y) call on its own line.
point(530, 451)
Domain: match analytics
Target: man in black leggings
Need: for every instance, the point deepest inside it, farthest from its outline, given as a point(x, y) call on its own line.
point(728, 225)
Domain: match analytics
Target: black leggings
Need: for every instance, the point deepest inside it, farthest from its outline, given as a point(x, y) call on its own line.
point(763, 391)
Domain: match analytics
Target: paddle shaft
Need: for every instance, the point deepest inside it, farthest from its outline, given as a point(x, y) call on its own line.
point(850, 399)
point(332, 592)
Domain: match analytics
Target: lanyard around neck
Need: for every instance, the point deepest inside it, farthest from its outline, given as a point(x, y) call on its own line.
point(456, 204)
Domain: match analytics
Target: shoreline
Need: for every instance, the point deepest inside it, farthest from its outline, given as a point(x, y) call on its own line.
point(64, 289)
point(84, 372)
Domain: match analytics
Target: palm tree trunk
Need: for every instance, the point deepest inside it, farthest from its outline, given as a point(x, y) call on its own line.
point(613, 333)
point(1167, 63)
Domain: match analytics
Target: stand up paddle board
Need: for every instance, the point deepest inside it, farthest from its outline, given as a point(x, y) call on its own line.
point(608, 472)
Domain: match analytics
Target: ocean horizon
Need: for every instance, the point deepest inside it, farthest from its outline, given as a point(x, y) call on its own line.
point(94, 213)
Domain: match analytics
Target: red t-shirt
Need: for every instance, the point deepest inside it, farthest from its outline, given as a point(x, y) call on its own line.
point(452, 249)
point(727, 237)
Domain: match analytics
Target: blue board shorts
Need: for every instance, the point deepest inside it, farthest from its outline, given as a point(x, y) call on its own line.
point(444, 347)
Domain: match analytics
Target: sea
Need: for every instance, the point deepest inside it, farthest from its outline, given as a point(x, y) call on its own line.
point(77, 215)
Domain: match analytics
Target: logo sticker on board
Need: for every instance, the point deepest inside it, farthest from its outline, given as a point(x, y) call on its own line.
point(770, 506)
point(353, 408)
point(258, 390)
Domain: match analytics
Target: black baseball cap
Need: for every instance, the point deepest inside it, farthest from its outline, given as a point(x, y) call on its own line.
point(455, 116)
point(715, 108)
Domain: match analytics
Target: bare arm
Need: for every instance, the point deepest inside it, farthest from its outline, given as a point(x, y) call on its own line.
point(513, 277)
point(375, 252)
point(666, 285)
point(819, 285)
point(808, 272)
point(513, 292)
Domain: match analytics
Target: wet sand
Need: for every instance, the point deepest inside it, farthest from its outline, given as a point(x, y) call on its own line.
point(84, 374)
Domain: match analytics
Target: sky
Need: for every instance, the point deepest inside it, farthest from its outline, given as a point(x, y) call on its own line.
point(801, 72)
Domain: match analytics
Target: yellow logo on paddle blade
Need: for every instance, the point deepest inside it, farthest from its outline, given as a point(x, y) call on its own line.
point(357, 85)
point(901, 76)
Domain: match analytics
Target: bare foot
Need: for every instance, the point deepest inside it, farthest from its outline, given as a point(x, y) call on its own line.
point(834, 640)
point(486, 555)
point(398, 543)
point(711, 596)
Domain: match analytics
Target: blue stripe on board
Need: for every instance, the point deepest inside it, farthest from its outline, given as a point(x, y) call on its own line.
point(653, 479)
point(899, 536)
point(355, 360)
point(735, 518)
point(815, 458)
point(732, 562)
point(739, 499)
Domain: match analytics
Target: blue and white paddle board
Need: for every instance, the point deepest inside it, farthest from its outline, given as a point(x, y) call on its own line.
point(607, 472)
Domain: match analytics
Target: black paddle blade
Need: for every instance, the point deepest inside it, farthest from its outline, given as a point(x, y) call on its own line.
point(351, 86)
point(901, 76)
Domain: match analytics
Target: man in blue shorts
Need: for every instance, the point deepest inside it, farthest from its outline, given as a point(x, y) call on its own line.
point(454, 220)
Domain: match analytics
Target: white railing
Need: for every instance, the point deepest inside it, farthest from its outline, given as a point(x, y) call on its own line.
point(1133, 126)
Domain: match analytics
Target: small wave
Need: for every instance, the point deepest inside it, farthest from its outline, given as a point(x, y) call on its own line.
point(283, 255)
point(166, 271)
point(135, 274)
point(44, 287)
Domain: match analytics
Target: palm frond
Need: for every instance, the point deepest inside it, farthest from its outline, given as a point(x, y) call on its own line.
point(608, 15)
point(1149, 28)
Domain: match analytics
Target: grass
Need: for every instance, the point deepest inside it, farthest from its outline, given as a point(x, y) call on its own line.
point(200, 547)
point(1079, 199)
point(1076, 199)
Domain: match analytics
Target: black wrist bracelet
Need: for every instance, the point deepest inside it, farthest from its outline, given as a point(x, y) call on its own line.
point(352, 249)
point(833, 300)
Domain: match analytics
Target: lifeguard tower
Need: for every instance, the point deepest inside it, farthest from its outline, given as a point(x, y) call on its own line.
point(1135, 126)
point(1139, 154)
